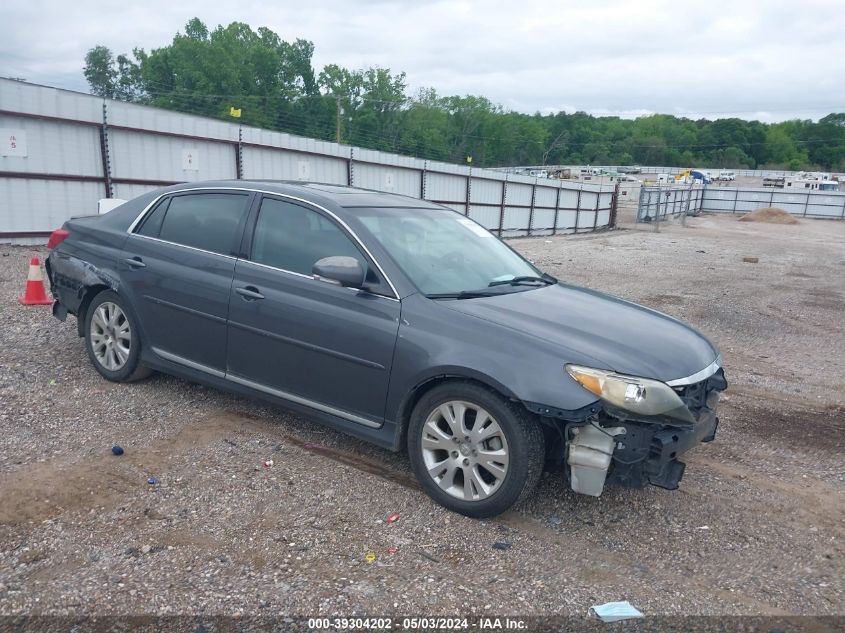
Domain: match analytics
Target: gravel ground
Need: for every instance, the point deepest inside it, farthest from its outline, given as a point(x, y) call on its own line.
point(756, 527)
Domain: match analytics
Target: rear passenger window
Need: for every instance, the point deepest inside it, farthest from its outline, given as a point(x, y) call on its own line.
point(293, 238)
point(152, 223)
point(208, 221)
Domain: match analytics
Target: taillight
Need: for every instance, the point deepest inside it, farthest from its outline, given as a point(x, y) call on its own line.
point(57, 237)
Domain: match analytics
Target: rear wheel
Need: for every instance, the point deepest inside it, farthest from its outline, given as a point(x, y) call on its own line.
point(473, 451)
point(113, 340)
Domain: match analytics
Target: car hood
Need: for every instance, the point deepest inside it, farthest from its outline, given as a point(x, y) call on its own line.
point(620, 335)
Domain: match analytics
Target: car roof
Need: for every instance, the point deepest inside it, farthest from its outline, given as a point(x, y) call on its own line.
point(342, 196)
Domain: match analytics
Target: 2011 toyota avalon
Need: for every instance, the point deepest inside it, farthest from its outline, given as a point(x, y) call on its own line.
point(396, 320)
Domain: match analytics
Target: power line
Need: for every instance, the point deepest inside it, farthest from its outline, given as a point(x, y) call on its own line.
point(165, 90)
point(292, 117)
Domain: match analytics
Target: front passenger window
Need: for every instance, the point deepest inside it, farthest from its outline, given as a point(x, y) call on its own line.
point(293, 238)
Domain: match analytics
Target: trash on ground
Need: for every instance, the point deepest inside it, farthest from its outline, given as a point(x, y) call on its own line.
point(751, 260)
point(117, 450)
point(268, 463)
point(703, 527)
point(369, 557)
point(393, 518)
point(152, 481)
point(615, 611)
point(53, 381)
point(502, 545)
point(430, 557)
point(392, 550)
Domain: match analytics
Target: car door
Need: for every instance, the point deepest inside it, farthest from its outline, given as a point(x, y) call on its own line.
point(178, 265)
point(305, 340)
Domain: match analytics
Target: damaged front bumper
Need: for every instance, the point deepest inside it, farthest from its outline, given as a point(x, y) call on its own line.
point(612, 448)
point(649, 456)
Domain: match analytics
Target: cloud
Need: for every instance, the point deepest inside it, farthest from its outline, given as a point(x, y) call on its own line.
point(773, 59)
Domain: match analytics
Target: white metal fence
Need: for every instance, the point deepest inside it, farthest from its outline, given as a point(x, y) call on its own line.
point(664, 202)
point(799, 202)
point(63, 151)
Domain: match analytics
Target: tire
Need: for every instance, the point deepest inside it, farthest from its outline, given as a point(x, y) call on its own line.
point(487, 484)
point(113, 339)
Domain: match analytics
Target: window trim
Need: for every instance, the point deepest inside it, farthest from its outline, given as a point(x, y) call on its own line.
point(165, 202)
point(193, 248)
point(131, 229)
point(247, 248)
point(151, 208)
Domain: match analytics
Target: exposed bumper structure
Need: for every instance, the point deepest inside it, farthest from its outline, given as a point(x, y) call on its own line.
point(637, 452)
point(650, 455)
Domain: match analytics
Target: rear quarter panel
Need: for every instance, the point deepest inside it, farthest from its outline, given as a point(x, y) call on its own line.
point(90, 256)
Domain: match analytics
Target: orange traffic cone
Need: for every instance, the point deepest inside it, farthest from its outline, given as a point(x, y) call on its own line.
point(35, 294)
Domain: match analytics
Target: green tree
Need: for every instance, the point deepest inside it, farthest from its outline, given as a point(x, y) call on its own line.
point(206, 71)
point(114, 78)
point(101, 72)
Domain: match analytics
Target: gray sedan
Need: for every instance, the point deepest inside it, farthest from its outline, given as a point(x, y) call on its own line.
point(395, 320)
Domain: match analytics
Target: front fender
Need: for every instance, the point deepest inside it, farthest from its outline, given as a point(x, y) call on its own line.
point(434, 341)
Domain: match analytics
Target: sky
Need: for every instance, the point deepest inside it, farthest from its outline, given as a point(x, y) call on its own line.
point(766, 60)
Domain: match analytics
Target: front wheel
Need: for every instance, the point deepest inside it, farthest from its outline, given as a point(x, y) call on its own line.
point(113, 340)
point(473, 451)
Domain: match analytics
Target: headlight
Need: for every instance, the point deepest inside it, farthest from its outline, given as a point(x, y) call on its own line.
point(641, 396)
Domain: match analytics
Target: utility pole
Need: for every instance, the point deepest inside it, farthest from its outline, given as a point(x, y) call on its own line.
point(337, 122)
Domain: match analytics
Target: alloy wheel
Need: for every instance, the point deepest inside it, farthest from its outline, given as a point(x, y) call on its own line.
point(464, 450)
point(111, 336)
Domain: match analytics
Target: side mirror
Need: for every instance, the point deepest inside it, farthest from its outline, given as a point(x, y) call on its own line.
point(340, 270)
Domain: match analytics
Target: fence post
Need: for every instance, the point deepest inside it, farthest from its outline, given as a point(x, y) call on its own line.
point(469, 191)
point(736, 199)
point(422, 179)
point(239, 157)
point(533, 202)
point(502, 209)
point(596, 211)
point(640, 203)
point(104, 151)
point(772, 197)
point(578, 205)
point(557, 208)
point(350, 168)
point(806, 203)
point(614, 205)
point(657, 208)
point(843, 209)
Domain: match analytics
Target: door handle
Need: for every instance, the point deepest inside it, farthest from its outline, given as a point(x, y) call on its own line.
point(249, 293)
point(135, 262)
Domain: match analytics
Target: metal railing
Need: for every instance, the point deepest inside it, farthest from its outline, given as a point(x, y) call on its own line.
point(672, 201)
point(799, 202)
point(72, 149)
point(661, 203)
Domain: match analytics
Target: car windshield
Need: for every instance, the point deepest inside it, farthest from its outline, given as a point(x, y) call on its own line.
point(446, 253)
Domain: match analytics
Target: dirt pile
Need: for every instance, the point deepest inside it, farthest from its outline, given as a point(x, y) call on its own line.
point(770, 215)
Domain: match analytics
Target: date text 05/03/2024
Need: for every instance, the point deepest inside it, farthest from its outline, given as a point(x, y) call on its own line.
point(417, 623)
